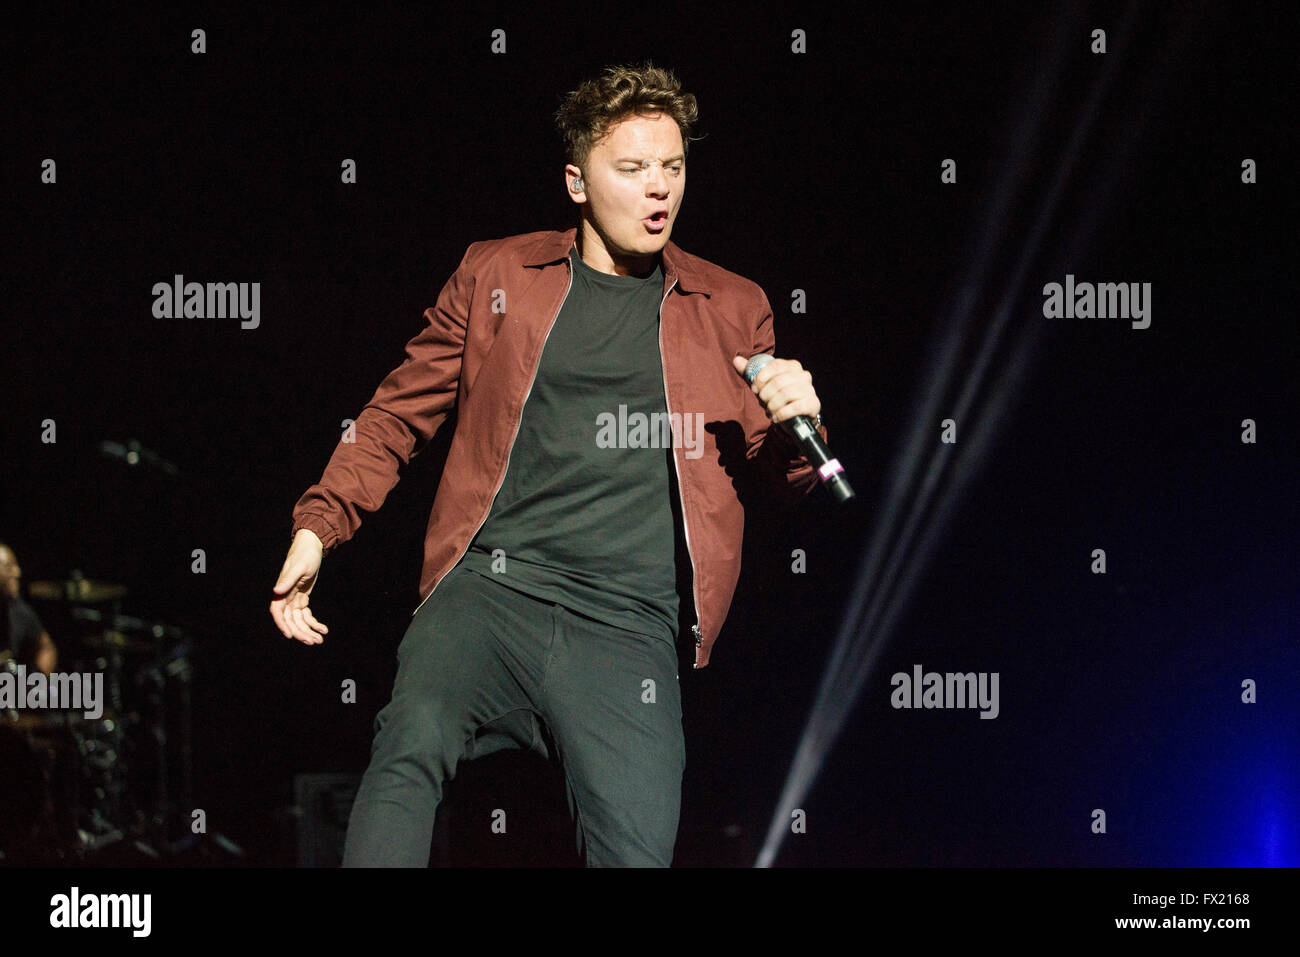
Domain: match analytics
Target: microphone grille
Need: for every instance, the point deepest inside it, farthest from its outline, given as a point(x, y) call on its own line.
point(755, 365)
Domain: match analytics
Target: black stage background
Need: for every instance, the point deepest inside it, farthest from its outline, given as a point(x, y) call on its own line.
point(818, 171)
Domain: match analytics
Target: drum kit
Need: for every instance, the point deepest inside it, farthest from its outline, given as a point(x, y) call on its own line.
point(72, 786)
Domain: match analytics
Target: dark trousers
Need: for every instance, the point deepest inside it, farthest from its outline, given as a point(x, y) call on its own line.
point(480, 668)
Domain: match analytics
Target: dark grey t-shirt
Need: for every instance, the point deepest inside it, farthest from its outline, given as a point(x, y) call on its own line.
point(22, 629)
point(587, 515)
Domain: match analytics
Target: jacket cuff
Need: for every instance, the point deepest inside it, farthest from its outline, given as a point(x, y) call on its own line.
point(786, 474)
point(320, 527)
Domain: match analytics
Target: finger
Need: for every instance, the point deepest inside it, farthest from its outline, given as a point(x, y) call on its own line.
point(300, 629)
point(766, 374)
point(784, 376)
point(792, 385)
point(278, 609)
point(305, 618)
point(781, 390)
point(779, 367)
point(291, 625)
point(783, 408)
point(311, 620)
point(794, 408)
point(310, 623)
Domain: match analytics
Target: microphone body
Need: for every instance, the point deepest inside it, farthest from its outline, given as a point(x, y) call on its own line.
point(829, 469)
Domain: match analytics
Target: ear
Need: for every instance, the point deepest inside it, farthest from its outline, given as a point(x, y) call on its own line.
point(571, 173)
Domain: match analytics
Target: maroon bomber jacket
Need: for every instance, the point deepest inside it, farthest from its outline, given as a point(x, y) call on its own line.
point(482, 363)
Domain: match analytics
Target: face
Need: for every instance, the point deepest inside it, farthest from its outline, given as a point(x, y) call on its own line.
point(632, 190)
point(10, 572)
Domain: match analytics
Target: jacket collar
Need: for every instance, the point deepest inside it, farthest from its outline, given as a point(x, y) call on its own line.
point(554, 246)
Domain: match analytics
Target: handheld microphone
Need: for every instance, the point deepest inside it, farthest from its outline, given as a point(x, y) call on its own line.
point(829, 469)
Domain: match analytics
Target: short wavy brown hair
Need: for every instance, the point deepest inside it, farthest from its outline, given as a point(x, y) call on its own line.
point(588, 112)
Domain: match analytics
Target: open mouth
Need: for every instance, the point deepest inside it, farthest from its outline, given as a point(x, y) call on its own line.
point(657, 221)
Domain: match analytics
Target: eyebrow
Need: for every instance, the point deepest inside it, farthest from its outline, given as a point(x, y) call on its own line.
point(633, 159)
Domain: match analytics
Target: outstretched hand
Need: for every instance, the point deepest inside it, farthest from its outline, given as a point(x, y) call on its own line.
point(290, 609)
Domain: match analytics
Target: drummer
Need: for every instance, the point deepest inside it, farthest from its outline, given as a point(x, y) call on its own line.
point(21, 633)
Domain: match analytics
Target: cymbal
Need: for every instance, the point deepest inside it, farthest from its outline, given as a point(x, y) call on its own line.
point(48, 720)
point(129, 623)
point(111, 640)
point(76, 590)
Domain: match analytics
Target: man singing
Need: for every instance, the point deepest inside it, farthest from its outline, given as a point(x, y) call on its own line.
point(605, 448)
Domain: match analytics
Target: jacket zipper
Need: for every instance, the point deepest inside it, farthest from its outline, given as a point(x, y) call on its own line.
point(681, 491)
point(518, 424)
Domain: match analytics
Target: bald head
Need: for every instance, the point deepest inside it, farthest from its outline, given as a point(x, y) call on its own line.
point(10, 572)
